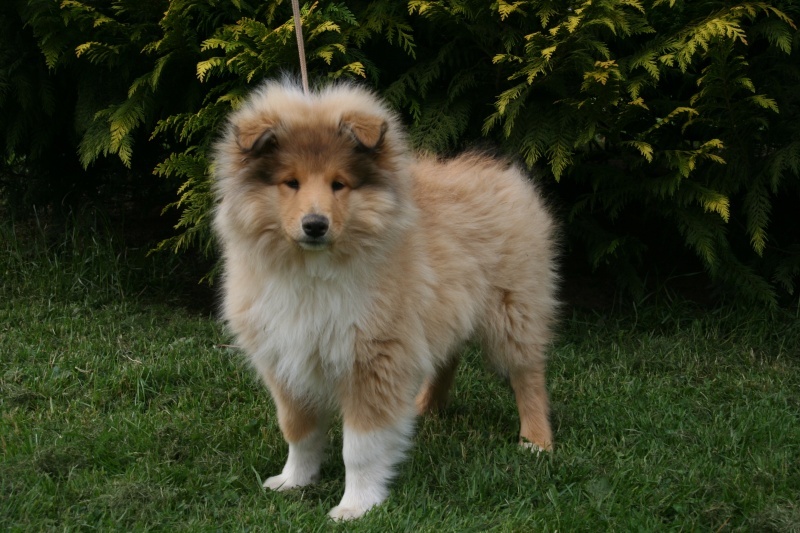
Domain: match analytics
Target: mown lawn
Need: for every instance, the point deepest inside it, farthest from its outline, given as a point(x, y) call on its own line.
point(122, 409)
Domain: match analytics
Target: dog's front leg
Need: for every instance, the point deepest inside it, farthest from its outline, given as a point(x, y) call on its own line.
point(305, 429)
point(303, 463)
point(378, 413)
point(370, 458)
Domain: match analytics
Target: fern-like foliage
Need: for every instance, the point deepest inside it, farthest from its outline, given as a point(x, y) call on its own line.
point(662, 126)
point(668, 98)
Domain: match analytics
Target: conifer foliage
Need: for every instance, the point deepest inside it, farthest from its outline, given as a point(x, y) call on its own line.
point(662, 127)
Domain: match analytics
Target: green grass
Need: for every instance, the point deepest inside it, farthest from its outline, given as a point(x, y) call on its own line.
point(122, 410)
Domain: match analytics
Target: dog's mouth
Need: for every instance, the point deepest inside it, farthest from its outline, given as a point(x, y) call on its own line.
point(314, 244)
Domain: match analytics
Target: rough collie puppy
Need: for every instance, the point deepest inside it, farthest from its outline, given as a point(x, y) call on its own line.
point(355, 270)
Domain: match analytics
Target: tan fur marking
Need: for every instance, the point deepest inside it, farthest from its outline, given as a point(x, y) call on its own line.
point(379, 386)
point(296, 419)
point(367, 129)
point(249, 131)
point(534, 406)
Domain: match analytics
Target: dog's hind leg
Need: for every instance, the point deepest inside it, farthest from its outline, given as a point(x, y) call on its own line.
point(436, 390)
point(305, 429)
point(515, 338)
point(533, 404)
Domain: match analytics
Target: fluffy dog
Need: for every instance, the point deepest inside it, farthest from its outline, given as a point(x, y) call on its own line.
point(355, 270)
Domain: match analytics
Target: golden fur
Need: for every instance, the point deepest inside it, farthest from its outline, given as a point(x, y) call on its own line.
point(355, 270)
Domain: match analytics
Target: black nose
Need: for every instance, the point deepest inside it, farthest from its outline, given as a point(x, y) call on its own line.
point(315, 226)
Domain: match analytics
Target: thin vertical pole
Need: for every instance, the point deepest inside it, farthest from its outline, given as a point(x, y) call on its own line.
point(298, 29)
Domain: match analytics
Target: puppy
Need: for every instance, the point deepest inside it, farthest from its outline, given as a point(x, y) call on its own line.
point(354, 270)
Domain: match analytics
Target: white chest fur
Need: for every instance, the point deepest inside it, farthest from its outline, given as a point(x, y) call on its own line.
point(301, 329)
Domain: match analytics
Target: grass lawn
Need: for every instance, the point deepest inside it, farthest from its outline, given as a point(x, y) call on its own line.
point(122, 409)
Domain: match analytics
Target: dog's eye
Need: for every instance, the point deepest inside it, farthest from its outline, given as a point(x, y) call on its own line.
point(337, 185)
point(292, 184)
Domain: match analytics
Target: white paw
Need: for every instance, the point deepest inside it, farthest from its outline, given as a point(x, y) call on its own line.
point(283, 482)
point(342, 513)
point(302, 465)
point(357, 501)
point(369, 460)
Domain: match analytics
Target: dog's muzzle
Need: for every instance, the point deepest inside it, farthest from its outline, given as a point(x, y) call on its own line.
point(315, 228)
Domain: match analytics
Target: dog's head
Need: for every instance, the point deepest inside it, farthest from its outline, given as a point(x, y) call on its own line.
point(314, 169)
point(324, 172)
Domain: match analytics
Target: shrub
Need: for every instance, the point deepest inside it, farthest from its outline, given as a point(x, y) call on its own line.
point(661, 127)
point(663, 117)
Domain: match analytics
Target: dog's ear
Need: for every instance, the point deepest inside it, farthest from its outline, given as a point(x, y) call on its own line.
point(366, 130)
point(255, 137)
